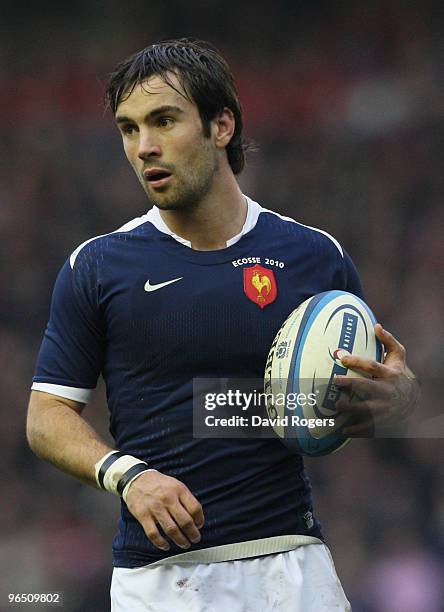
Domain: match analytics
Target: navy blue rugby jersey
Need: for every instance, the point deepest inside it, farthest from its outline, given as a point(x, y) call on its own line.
point(209, 319)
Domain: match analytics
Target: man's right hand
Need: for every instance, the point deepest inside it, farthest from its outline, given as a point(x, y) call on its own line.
point(155, 499)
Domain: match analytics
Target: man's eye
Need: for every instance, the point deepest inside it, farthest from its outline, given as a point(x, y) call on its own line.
point(127, 130)
point(165, 121)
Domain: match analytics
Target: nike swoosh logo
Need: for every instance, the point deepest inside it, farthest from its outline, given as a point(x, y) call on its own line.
point(149, 287)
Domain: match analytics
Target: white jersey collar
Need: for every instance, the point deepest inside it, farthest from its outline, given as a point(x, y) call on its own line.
point(254, 210)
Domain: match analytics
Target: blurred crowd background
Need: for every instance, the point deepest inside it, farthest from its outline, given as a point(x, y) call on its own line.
point(345, 101)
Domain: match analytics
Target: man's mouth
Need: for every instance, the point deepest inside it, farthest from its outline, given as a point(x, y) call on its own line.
point(157, 177)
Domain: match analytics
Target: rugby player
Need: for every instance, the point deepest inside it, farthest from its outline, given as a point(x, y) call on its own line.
point(206, 524)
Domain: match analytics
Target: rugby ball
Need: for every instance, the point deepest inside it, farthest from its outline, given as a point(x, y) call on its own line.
point(303, 360)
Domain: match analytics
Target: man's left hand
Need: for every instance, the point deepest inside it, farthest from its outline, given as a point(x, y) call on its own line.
point(389, 396)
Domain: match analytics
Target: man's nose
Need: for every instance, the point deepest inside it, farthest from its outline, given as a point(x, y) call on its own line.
point(148, 146)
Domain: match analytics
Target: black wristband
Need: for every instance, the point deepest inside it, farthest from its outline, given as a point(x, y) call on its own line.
point(105, 465)
point(129, 474)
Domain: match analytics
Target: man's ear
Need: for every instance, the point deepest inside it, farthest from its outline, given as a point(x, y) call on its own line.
point(223, 128)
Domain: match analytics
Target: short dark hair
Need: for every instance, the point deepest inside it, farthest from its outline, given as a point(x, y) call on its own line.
point(202, 72)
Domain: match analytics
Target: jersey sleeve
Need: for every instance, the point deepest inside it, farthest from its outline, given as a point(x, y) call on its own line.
point(348, 279)
point(72, 351)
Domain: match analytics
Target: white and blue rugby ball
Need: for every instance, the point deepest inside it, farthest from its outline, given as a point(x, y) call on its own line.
point(303, 360)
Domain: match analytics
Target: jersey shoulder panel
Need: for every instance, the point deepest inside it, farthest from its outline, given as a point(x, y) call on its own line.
point(128, 227)
point(288, 223)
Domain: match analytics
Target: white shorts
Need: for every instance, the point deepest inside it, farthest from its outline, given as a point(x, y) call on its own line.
point(300, 580)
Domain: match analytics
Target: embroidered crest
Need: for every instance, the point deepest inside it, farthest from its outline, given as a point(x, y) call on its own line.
point(260, 285)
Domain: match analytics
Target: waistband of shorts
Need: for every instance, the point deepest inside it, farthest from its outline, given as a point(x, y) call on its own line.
point(239, 550)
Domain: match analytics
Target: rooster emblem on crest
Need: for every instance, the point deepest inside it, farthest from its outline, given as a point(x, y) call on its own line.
point(259, 283)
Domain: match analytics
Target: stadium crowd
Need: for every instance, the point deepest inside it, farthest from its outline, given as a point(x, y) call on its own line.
point(346, 108)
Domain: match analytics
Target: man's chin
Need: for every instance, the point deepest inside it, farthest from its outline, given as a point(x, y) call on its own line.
point(165, 201)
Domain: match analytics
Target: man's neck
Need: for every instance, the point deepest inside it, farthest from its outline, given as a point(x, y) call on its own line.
point(218, 217)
